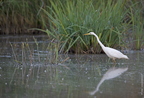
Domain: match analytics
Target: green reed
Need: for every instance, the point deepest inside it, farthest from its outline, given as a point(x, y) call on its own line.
point(66, 21)
point(70, 20)
point(137, 21)
point(19, 16)
point(27, 57)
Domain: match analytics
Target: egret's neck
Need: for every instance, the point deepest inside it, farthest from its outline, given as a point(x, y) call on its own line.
point(99, 41)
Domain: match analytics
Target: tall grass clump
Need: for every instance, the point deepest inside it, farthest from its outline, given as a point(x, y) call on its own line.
point(18, 16)
point(137, 24)
point(69, 20)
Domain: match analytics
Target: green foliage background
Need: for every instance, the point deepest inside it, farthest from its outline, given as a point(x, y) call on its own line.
point(65, 21)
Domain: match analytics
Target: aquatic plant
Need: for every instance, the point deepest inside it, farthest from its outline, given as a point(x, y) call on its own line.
point(17, 17)
point(70, 20)
point(137, 21)
point(66, 21)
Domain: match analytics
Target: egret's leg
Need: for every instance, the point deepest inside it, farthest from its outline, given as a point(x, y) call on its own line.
point(114, 60)
point(108, 60)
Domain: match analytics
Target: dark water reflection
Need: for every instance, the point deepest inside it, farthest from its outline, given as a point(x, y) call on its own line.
point(74, 78)
point(110, 74)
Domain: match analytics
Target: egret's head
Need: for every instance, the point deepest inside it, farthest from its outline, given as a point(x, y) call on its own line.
point(90, 33)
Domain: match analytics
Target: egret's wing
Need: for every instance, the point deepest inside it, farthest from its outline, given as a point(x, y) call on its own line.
point(113, 53)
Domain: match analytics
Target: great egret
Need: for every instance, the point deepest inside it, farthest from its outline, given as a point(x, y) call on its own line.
point(111, 53)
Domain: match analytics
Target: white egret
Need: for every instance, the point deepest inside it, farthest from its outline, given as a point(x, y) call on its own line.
point(111, 52)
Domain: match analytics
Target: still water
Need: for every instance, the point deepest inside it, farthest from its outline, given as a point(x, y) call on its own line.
point(26, 71)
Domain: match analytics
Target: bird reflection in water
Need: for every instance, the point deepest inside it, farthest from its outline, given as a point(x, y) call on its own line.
point(110, 74)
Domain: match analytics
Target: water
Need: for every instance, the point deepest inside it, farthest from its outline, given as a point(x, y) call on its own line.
point(28, 73)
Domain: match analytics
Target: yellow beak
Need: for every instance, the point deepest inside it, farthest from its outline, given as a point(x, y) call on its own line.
point(87, 34)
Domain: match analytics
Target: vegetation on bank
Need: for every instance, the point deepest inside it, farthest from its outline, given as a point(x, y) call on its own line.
point(118, 23)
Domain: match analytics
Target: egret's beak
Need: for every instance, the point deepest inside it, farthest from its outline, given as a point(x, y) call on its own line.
point(87, 34)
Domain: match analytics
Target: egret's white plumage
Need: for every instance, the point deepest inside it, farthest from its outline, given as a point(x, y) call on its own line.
point(111, 52)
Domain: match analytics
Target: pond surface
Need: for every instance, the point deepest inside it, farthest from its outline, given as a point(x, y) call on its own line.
point(29, 70)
